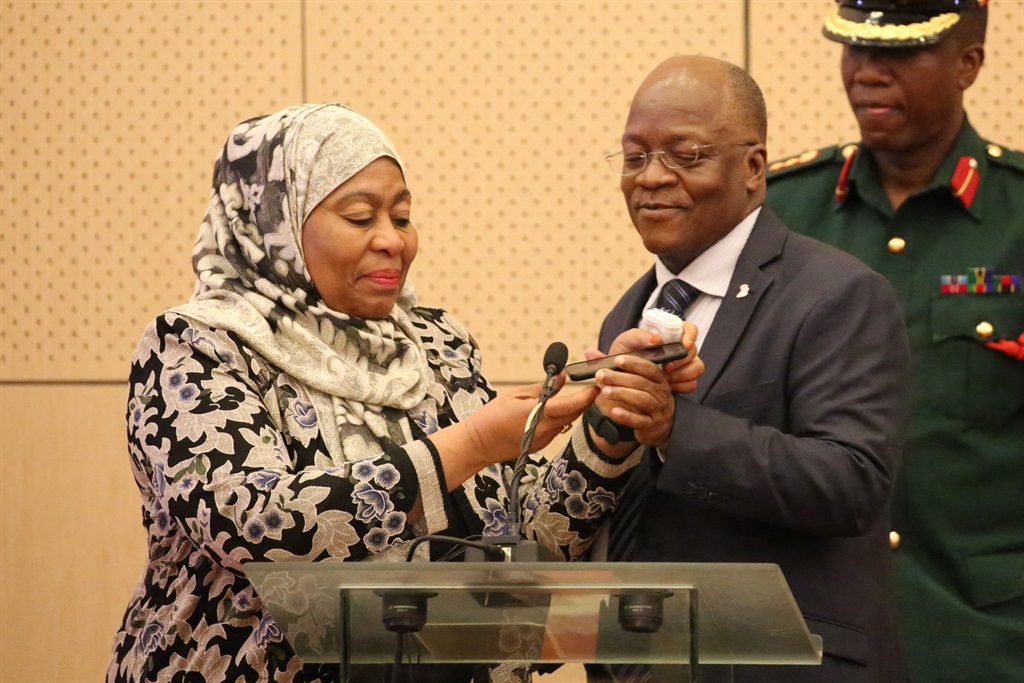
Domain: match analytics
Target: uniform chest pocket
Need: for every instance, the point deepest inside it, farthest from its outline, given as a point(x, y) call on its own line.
point(964, 377)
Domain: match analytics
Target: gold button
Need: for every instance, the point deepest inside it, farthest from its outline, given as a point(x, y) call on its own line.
point(995, 151)
point(985, 329)
point(894, 540)
point(848, 151)
point(897, 244)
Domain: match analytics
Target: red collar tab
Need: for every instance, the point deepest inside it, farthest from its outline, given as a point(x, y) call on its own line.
point(965, 180)
point(849, 152)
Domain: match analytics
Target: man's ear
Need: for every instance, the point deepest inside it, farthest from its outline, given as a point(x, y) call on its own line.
point(970, 60)
point(756, 163)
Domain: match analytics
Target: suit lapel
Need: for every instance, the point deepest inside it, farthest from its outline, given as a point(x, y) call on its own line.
point(764, 245)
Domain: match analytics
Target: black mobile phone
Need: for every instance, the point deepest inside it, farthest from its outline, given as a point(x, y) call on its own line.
point(586, 369)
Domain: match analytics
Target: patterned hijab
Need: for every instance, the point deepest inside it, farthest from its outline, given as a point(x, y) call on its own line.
point(252, 278)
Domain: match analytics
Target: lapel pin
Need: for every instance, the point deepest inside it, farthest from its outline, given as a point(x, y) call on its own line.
point(744, 290)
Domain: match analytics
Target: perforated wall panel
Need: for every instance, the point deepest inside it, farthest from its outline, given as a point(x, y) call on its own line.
point(995, 102)
point(111, 116)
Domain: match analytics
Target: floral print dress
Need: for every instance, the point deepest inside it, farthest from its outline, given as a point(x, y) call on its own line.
point(231, 460)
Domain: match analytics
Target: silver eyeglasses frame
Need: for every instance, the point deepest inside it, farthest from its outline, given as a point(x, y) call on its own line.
point(636, 162)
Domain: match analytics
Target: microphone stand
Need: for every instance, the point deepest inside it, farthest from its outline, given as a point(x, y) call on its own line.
point(515, 547)
point(519, 470)
point(512, 545)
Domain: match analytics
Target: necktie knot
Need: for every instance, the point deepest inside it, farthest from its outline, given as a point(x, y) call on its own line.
point(676, 296)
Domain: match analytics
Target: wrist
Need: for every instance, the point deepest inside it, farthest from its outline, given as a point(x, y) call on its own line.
point(461, 451)
point(607, 428)
point(480, 453)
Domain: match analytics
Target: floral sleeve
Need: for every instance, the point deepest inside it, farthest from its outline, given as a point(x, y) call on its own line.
point(210, 456)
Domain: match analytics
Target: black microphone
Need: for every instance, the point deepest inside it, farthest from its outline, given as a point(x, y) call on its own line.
point(555, 359)
point(554, 362)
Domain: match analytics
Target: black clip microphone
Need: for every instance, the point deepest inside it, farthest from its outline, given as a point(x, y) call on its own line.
point(555, 359)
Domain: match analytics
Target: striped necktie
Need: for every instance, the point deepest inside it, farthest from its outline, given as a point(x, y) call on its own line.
point(675, 297)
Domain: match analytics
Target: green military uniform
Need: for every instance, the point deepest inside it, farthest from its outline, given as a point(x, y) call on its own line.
point(958, 511)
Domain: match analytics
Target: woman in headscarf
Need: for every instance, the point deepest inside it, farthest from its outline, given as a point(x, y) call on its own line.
point(302, 407)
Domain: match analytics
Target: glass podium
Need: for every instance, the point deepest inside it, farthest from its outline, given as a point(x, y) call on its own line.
point(543, 612)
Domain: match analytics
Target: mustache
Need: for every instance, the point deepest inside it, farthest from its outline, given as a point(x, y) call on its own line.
point(659, 202)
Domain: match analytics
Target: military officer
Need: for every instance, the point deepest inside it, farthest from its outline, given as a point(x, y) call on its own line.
point(929, 203)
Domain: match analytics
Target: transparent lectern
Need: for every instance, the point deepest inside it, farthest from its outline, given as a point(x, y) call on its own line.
point(537, 612)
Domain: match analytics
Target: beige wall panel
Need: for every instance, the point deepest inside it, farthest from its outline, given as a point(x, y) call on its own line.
point(798, 69)
point(110, 117)
point(996, 101)
point(71, 535)
point(504, 112)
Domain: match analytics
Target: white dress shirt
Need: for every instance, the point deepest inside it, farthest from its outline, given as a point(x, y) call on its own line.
point(711, 273)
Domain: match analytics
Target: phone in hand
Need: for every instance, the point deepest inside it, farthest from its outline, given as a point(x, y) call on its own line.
point(586, 369)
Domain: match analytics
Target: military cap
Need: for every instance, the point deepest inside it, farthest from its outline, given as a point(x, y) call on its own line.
point(894, 23)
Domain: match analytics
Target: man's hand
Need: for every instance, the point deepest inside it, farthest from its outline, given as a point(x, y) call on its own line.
point(638, 396)
point(682, 374)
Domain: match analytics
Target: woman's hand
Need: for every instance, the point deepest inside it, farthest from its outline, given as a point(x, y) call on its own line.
point(493, 433)
point(560, 411)
point(501, 422)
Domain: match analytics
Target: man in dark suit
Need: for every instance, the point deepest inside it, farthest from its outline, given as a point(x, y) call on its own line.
point(787, 451)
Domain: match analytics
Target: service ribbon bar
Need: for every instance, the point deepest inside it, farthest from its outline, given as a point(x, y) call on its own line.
point(980, 281)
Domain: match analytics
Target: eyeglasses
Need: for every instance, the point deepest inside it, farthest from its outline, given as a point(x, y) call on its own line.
point(633, 163)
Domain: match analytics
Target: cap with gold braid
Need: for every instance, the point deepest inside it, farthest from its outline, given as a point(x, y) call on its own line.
point(894, 23)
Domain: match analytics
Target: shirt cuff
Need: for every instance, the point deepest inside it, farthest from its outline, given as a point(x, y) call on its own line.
point(591, 456)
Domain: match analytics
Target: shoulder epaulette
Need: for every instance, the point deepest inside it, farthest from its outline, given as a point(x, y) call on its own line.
point(809, 159)
point(1002, 156)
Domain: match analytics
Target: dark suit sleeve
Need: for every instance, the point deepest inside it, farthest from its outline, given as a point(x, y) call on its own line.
point(814, 444)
